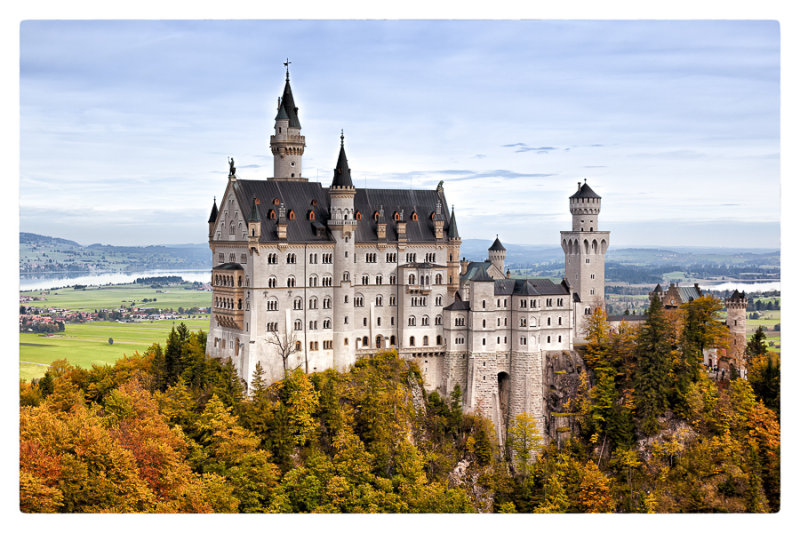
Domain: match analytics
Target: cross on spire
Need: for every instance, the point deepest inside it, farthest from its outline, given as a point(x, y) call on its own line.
point(342, 137)
point(286, 64)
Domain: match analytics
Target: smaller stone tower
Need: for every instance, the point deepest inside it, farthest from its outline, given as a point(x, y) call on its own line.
point(737, 324)
point(584, 255)
point(212, 219)
point(287, 144)
point(497, 254)
point(453, 254)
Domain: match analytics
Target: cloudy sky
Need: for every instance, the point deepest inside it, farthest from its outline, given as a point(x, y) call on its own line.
point(125, 127)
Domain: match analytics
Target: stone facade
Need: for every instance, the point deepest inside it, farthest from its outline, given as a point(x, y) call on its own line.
point(311, 277)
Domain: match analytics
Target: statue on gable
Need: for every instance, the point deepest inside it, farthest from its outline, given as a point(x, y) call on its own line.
point(232, 171)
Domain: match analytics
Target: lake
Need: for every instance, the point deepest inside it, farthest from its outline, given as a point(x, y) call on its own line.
point(35, 282)
point(746, 286)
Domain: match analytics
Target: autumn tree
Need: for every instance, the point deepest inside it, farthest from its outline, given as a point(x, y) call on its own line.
point(524, 441)
point(595, 492)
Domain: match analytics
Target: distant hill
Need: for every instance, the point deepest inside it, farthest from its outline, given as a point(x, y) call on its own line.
point(43, 254)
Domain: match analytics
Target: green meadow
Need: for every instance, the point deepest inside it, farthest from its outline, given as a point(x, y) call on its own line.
point(116, 296)
point(87, 344)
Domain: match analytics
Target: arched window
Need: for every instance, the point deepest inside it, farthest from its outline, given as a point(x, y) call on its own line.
point(298, 325)
point(272, 282)
point(375, 216)
point(438, 279)
point(412, 279)
point(311, 215)
point(396, 216)
point(358, 215)
point(271, 214)
point(392, 340)
point(291, 214)
point(378, 340)
point(414, 216)
point(438, 340)
point(438, 320)
point(290, 282)
point(275, 201)
point(379, 301)
point(425, 340)
point(365, 342)
point(425, 320)
point(298, 303)
point(411, 341)
point(412, 320)
point(346, 276)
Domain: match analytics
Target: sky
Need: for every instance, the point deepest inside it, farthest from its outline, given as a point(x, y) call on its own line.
point(126, 126)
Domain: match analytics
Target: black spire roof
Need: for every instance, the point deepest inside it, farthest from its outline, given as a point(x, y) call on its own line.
point(584, 191)
point(341, 174)
point(213, 216)
point(287, 109)
point(497, 246)
point(452, 230)
point(254, 216)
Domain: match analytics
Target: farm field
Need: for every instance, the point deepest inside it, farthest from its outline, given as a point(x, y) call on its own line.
point(116, 296)
point(87, 344)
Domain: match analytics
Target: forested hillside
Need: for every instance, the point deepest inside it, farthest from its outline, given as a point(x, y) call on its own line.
point(173, 431)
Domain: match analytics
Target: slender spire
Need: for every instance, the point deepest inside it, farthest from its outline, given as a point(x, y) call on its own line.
point(452, 230)
point(341, 174)
point(254, 215)
point(214, 212)
point(286, 64)
point(286, 107)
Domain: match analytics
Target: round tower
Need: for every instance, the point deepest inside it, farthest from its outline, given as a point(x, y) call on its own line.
point(497, 254)
point(584, 255)
point(286, 144)
point(585, 208)
point(737, 323)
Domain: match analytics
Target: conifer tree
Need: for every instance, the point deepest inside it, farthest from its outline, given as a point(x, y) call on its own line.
point(653, 361)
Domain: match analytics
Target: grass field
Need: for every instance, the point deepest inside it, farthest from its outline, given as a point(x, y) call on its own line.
point(87, 344)
point(116, 296)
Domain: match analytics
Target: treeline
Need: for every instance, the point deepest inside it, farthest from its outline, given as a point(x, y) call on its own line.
point(158, 280)
point(172, 430)
point(635, 273)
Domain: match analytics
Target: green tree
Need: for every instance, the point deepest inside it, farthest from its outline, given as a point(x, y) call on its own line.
point(653, 362)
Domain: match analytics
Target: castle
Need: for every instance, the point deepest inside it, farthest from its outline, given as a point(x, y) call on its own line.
point(315, 277)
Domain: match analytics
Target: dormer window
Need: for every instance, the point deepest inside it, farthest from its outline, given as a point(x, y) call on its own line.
point(271, 214)
point(311, 215)
point(375, 216)
point(358, 215)
point(396, 216)
point(414, 216)
point(291, 214)
point(276, 201)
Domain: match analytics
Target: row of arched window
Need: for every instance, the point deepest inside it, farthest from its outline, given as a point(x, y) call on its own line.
point(424, 320)
point(223, 280)
point(575, 246)
point(227, 303)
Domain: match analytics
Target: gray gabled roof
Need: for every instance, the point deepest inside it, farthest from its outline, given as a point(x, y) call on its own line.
point(584, 191)
point(228, 266)
point(529, 287)
point(298, 196)
point(458, 304)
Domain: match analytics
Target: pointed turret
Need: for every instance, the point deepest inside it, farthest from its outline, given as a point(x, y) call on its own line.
point(452, 230)
point(214, 212)
point(497, 246)
point(254, 223)
point(341, 174)
point(254, 216)
point(212, 219)
point(287, 144)
point(497, 255)
point(286, 108)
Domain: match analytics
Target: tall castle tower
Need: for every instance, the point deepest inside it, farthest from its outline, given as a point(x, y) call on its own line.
point(584, 254)
point(342, 225)
point(287, 144)
point(737, 324)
